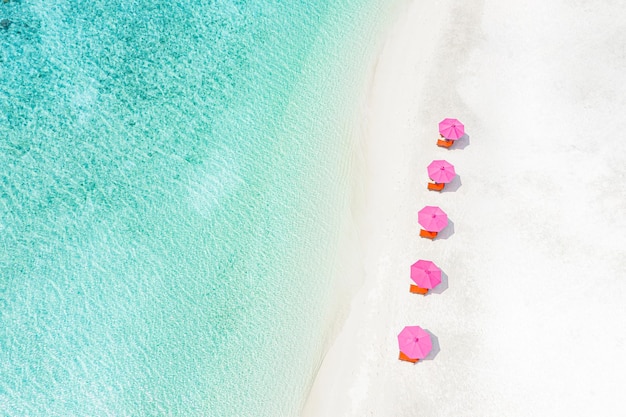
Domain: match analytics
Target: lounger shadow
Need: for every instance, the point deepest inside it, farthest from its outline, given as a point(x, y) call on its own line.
point(435, 350)
point(442, 286)
point(453, 185)
point(462, 142)
point(447, 231)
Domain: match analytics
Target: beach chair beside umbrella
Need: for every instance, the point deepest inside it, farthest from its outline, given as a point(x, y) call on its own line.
point(444, 143)
point(415, 289)
point(436, 186)
point(428, 235)
point(403, 357)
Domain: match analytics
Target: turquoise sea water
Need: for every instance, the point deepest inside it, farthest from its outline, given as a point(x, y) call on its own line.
point(172, 178)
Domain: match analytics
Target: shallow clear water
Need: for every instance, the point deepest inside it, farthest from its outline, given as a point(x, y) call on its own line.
point(172, 176)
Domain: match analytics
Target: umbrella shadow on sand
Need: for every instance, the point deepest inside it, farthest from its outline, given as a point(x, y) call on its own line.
point(462, 142)
point(453, 185)
point(447, 231)
point(443, 285)
point(435, 343)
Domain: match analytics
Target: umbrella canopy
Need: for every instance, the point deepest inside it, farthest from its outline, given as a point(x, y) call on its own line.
point(425, 274)
point(414, 342)
point(451, 129)
point(432, 218)
point(441, 171)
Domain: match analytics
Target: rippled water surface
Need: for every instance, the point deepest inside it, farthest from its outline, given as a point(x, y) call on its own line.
point(171, 178)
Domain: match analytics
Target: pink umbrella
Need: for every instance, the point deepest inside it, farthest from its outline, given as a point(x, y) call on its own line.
point(432, 218)
point(441, 171)
point(425, 274)
point(451, 129)
point(415, 342)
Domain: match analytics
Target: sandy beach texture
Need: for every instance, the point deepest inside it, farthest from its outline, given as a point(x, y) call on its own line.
point(529, 320)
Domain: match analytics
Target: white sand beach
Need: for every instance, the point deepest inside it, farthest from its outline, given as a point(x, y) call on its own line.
point(529, 320)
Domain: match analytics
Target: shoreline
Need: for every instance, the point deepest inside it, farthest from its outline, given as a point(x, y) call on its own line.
point(325, 398)
point(511, 276)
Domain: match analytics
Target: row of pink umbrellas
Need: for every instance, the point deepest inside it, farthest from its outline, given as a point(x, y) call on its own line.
point(414, 342)
point(441, 171)
point(432, 218)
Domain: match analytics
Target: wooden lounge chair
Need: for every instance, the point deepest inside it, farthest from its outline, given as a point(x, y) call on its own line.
point(446, 143)
point(418, 290)
point(428, 235)
point(436, 186)
point(403, 357)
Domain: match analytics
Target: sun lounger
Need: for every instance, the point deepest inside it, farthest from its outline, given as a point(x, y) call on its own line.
point(418, 290)
point(403, 357)
point(445, 143)
point(437, 186)
point(428, 235)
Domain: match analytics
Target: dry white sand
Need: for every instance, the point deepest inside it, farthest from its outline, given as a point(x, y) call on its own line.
point(531, 319)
